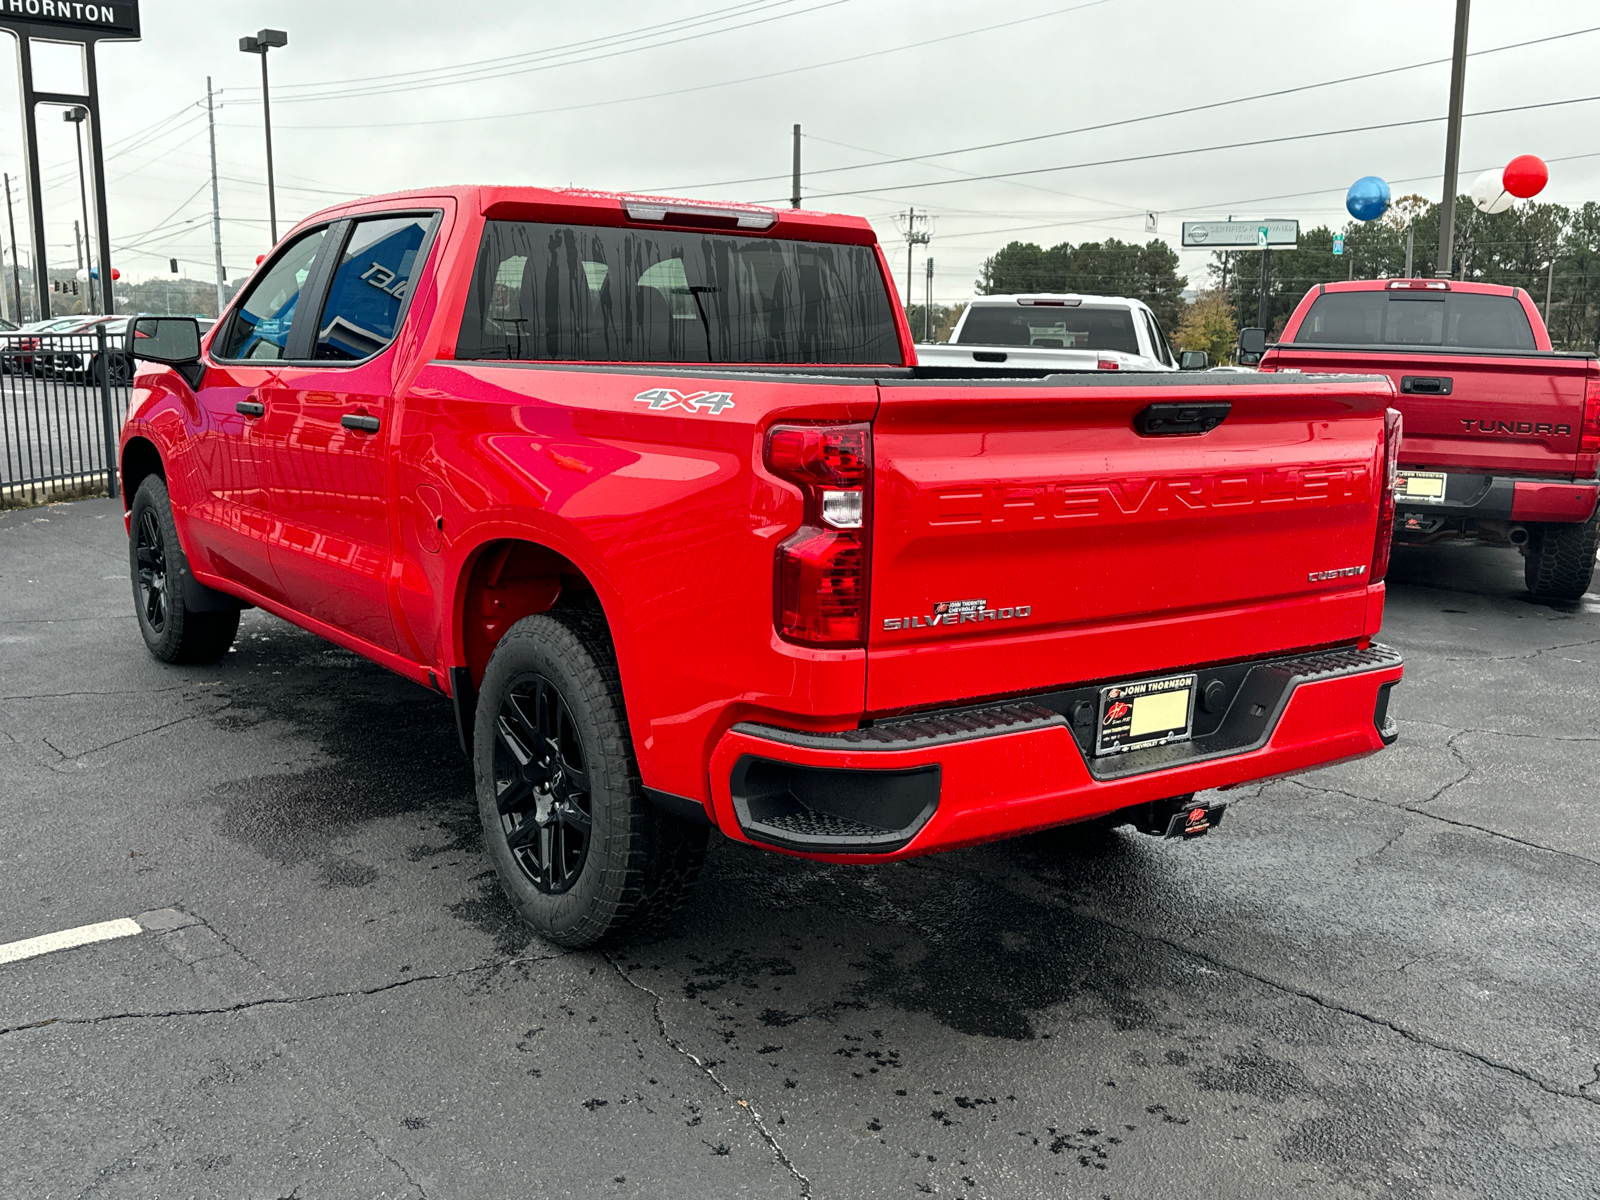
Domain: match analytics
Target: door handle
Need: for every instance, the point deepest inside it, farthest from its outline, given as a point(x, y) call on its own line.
point(359, 421)
point(250, 408)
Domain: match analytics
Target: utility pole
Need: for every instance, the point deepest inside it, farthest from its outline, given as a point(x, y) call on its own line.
point(264, 40)
point(1266, 271)
point(16, 254)
point(1410, 241)
point(76, 115)
point(794, 192)
point(77, 240)
point(927, 305)
point(1549, 289)
point(216, 203)
point(919, 232)
point(1452, 141)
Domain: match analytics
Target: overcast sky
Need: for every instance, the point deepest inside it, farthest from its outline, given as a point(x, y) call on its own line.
point(687, 98)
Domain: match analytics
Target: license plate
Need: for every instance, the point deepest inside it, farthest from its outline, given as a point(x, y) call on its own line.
point(1152, 712)
point(1426, 486)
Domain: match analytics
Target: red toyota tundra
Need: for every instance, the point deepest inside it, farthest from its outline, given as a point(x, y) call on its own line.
point(656, 493)
point(1502, 433)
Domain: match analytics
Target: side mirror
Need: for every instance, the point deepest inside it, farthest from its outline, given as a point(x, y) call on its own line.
point(1252, 345)
point(171, 340)
point(1193, 360)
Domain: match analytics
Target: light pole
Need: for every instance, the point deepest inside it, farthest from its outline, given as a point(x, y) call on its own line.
point(264, 40)
point(76, 114)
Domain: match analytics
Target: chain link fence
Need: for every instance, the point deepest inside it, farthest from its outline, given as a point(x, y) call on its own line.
point(63, 397)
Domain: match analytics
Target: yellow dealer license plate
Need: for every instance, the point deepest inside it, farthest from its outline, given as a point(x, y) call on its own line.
point(1152, 712)
point(1427, 486)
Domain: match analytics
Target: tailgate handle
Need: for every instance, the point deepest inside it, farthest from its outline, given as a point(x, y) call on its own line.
point(1171, 420)
point(988, 356)
point(1425, 385)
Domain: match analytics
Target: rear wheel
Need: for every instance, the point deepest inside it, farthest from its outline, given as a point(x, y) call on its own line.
point(114, 363)
point(172, 632)
point(581, 853)
point(1560, 559)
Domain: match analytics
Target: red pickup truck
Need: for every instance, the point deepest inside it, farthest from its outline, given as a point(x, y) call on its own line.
point(1502, 434)
point(656, 493)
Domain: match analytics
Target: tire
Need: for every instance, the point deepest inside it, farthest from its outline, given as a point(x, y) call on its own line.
point(551, 740)
point(118, 367)
point(1560, 561)
point(155, 559)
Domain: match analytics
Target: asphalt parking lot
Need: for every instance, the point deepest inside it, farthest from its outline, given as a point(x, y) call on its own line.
point(1377, 980)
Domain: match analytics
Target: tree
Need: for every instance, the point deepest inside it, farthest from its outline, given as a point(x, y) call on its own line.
point(1208, 325)
point(944, 316)
point(1109, 268)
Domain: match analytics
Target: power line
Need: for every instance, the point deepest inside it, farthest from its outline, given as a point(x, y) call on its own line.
point(1174, 112)
point(702, 87)
point(382, 90)
point(1254, 142)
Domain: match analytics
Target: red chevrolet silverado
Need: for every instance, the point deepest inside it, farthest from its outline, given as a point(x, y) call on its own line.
point(1502, 434)
point(656, 493)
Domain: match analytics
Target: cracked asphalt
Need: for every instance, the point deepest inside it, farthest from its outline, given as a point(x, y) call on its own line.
point(1376, 980)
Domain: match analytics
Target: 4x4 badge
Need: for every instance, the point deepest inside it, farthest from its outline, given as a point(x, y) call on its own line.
point(661, 399)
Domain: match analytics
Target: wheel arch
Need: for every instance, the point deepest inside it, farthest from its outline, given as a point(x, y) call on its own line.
point(140, 460)
point(504, 580)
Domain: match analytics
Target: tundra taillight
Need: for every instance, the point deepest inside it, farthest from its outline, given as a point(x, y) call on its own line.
point(1387, 476)
point(1589, 436)
point(820, 581)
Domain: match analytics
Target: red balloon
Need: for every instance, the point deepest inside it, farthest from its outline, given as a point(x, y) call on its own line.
point(115, 274)
point(260, 258)
point(1526, 176)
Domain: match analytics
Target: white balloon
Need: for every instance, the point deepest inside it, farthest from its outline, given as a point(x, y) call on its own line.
point(1489, 192)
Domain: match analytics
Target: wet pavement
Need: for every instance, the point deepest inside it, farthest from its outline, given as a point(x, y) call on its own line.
point(1376, 980)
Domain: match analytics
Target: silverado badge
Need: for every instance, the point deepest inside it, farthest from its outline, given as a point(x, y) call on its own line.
point(960, 612)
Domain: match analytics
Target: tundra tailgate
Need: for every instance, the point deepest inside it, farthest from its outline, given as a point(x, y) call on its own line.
point(1501, 414)
point(1029, 535)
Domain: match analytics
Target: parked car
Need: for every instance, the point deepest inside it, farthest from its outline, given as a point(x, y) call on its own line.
point(1059, 331)
point(1502, 433)
point(657, 493)
point(24, 355)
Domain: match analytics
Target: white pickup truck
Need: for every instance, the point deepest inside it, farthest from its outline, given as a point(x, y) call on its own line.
point(1060, 331)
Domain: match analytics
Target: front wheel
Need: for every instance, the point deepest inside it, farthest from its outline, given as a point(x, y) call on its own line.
point(171, 631)
point(1560, 559)
point(581, 853)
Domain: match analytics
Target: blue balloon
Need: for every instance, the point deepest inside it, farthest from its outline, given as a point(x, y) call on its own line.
point(1367, 199)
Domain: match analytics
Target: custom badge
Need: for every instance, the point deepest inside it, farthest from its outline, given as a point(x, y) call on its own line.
point(662, 399)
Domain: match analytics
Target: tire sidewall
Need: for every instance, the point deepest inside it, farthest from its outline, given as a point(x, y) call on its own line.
point(542, 645)
point(152, 496)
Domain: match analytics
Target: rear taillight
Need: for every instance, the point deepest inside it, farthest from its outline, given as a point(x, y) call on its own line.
point(820, 581)
point(1390, 469)
point(1108, 364)
point(1589, 438)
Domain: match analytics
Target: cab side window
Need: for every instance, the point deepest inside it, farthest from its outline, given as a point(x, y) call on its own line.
point(369, 287)
point(260, 325)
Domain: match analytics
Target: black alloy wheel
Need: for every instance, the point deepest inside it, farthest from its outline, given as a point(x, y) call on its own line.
point(172, 631)
point(150, 552)
point(541, 784)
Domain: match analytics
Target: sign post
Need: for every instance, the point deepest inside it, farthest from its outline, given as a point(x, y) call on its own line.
point(82, 24)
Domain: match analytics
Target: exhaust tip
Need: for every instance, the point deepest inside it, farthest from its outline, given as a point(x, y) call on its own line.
point(1518, 536)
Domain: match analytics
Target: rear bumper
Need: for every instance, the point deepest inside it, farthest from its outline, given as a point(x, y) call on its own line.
point(1496, 500)
point(936, 781)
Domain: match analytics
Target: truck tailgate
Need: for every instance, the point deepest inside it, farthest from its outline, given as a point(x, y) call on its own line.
point(1503, 414)
point(1028, 536)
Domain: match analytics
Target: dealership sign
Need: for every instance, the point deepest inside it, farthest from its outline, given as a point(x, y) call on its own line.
point(1239, 235)
point(120, 18)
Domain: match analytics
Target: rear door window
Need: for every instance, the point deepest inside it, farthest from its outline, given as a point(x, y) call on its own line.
point(1089, 327)
point(260, 325)
point(1457, 320)
point(370, 286)
point(604, 294)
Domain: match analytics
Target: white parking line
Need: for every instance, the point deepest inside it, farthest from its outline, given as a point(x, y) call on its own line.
point(83, 935)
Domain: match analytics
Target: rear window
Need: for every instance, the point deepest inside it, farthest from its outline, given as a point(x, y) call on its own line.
point(1456, 319)
point(1084, 328)
point(597, 294)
